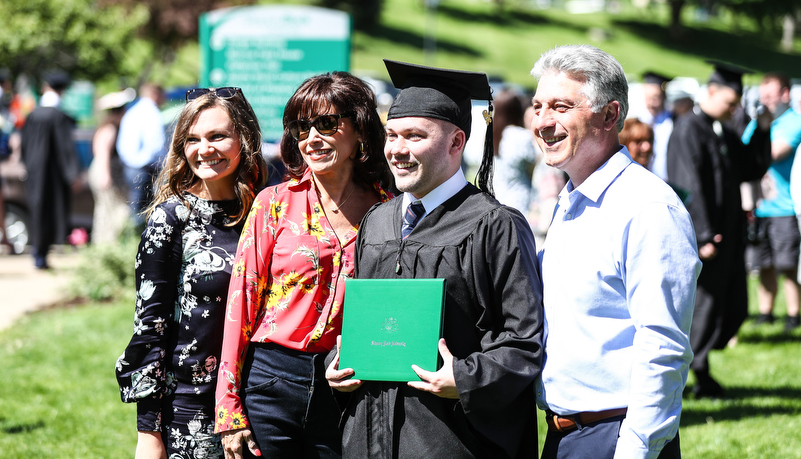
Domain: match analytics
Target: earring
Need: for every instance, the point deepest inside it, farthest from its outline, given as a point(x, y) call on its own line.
point(362, 156)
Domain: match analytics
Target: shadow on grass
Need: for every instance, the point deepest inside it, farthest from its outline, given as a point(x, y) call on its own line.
point(774, 333)
point(507, 17)
point(415, 40)
point(20, 428)
point(747, 49)
point(741, 403)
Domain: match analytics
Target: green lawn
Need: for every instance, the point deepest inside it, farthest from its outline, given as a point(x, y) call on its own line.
point(60, 399)
point(475, 35)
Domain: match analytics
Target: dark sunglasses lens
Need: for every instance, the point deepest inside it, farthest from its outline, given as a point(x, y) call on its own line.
point(226, 93)
point(193, 94)
point(326, 124)
point(296, 129)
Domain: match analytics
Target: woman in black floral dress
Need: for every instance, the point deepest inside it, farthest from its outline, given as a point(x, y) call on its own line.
point(211, 175)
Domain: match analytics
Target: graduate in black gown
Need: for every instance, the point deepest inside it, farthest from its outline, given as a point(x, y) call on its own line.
point(708, 160)
point(52, 166)
point(480, 403)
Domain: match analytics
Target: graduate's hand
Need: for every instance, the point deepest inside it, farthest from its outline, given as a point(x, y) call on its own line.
point(709, 250)
point(341, 379)
point(441, 382)
point(233, 442)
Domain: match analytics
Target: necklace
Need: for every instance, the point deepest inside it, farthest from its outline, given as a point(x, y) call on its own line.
point(336, 209)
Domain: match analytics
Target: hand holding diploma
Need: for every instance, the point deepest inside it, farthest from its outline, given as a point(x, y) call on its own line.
point(441, 382)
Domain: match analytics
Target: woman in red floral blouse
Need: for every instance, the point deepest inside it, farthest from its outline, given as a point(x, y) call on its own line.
point(297, 248)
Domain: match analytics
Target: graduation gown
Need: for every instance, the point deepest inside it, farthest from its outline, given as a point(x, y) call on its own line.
point(52, 166)
point(710, 167)
point(492, 326)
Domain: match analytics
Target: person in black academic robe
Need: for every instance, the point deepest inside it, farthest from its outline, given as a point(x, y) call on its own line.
point(52, 165)
point(485, 251)
point(708, 161)
point(480, 404)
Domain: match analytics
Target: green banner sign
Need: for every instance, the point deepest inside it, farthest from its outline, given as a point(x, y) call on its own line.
point(269, 50)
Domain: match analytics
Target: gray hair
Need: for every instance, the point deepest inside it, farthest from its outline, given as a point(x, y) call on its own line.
point(603, 76)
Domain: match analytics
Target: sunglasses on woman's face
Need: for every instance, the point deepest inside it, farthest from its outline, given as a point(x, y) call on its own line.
point(325, 125)
point(223, 93)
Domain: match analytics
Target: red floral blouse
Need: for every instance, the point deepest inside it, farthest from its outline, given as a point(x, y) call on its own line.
point(287, 285)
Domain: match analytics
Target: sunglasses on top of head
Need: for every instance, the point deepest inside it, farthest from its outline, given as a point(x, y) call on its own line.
point(325, 125)
point(223, 93)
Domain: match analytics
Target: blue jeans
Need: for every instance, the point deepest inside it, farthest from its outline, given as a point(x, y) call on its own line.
point(290, 407)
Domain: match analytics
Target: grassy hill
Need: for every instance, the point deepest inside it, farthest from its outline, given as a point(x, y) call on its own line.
point(476, 35)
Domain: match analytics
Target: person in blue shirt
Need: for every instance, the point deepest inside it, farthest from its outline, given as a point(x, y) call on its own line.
point(142, 146)
point(777, 253)
point(619, 269)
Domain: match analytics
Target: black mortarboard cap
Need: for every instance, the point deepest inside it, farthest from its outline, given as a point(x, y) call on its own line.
point(57, 80)
point(443, 94)
point(655, 78)
point(728, 75)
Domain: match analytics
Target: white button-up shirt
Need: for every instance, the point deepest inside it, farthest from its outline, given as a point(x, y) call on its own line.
point(619, 268)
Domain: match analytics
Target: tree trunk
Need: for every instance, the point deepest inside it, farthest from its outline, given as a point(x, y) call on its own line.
point(788, 32)
point(676, 29)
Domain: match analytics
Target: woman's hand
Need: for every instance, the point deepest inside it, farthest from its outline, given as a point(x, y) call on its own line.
point(149, 445)
point(340, 379)
point(233, 441)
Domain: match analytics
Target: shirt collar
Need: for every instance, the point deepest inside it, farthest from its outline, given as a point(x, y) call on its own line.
point(595, 185)
point(50, 99)
point(440, 194)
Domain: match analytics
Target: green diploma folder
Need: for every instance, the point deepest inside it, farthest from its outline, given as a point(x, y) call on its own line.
point(390, 324)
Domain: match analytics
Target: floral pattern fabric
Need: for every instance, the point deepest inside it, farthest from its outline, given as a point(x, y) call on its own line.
point(183, 268)
point(287, 286)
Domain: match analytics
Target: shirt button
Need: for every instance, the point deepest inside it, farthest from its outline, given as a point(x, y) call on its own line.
point(568, 216)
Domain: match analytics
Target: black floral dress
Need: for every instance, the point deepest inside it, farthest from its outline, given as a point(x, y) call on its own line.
point(170, 366)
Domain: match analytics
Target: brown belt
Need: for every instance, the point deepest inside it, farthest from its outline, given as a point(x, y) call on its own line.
point(565, 424)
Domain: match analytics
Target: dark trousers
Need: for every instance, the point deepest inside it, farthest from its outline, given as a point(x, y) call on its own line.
point(290, 407)
point(596, 441)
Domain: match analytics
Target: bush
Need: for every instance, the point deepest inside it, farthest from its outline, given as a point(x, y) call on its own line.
point(106, 271)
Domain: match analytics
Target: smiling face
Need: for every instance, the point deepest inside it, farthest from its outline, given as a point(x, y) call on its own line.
point(213, 149)
point(654, 98)
point(333, 153)
point(566, 129)
point(772, 94)
point(422, 153)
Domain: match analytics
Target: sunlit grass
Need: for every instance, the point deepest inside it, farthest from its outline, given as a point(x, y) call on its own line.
point(60, 399)
point(58, 394)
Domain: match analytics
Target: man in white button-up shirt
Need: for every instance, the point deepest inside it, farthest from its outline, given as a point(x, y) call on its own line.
point(619, 268)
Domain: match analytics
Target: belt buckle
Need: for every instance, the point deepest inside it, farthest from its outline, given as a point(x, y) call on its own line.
point(562, 424)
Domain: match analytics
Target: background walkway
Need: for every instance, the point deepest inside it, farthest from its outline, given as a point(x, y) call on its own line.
point(24, 289)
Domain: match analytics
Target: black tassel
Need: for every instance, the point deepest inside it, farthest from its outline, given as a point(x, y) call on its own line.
point(484, 175)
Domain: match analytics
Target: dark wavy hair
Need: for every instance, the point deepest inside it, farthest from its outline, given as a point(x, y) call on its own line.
point(176, 177)
point(345, 93)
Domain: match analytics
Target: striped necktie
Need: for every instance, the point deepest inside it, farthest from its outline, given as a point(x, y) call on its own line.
point(413, 214)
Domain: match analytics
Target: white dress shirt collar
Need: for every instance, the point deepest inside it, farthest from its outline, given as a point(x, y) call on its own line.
point(439, 194)
point(50, 99)
point(594, 186)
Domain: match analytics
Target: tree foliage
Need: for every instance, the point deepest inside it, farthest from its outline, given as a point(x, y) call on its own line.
point(76, 36)
point(172, 23)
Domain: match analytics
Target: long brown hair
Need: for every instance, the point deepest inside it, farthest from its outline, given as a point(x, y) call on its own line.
point(176, 177)
point(348, 94)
